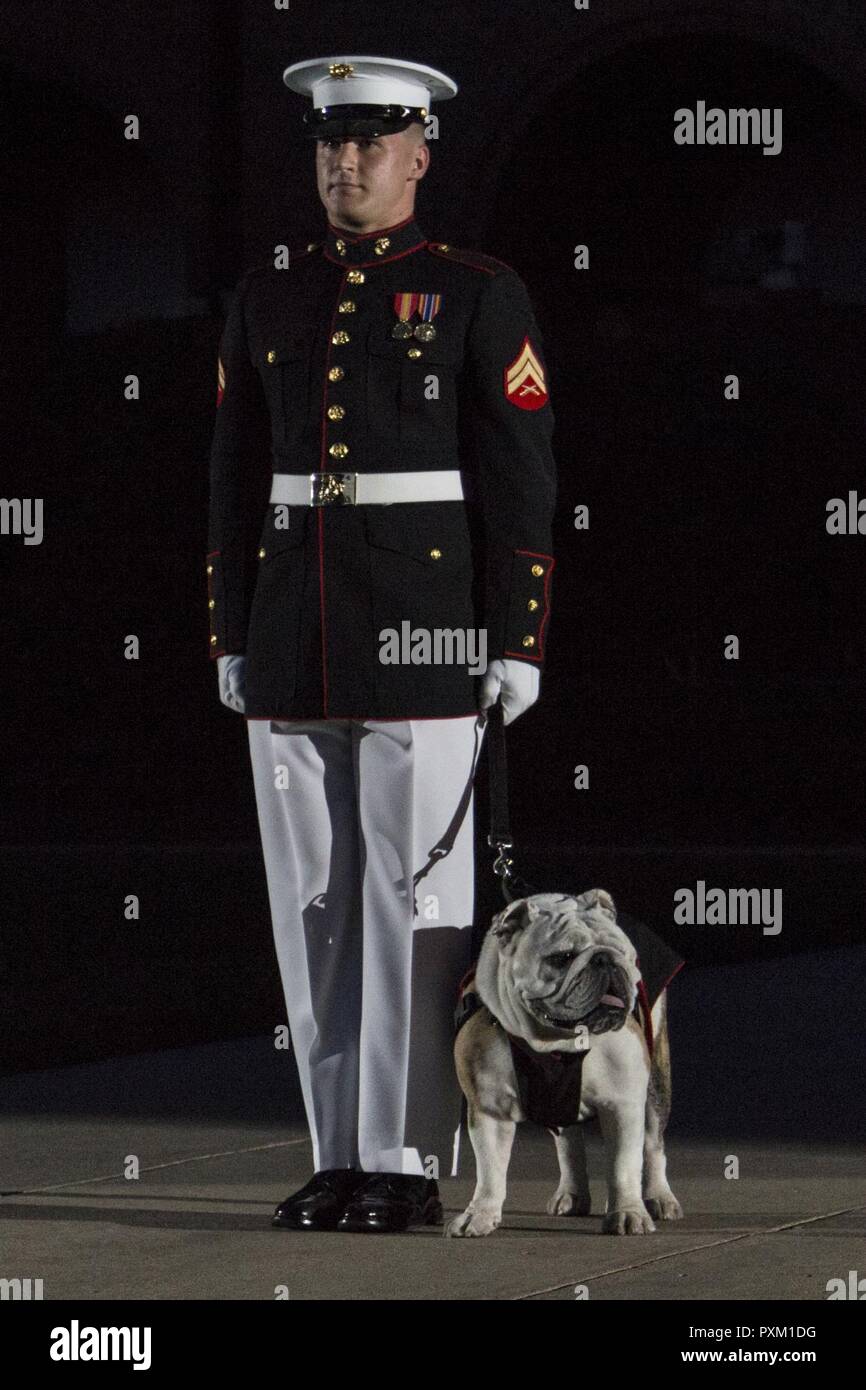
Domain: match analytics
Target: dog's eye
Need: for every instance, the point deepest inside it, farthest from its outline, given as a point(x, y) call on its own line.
point(561, 958)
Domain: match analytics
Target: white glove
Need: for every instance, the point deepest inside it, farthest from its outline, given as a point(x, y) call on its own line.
point(231, 672)
point(517, 680)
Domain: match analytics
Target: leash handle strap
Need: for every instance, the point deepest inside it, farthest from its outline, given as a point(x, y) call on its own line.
point(497, 763)
point(499, 837)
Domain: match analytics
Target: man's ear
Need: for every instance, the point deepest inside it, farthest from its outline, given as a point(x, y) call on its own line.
point(509, 922)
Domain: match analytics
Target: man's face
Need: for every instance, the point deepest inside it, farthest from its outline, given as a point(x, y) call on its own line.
point(366, 182)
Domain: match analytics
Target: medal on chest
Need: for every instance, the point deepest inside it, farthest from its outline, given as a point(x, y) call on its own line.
point(406, 306)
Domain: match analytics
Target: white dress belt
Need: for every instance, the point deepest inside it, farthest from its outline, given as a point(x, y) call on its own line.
point(328, 489)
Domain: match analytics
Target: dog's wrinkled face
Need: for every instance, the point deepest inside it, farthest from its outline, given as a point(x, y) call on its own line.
point(567, 963)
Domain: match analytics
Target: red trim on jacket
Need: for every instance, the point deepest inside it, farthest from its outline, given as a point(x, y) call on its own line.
point(368, 236)
point(538, 555)
point(457, 253)
point(380, 260)
point(322, 460)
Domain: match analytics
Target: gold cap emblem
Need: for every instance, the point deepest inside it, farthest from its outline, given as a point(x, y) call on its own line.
point(341, 70)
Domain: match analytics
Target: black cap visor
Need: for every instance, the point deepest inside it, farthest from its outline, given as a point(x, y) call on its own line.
point(345, 122)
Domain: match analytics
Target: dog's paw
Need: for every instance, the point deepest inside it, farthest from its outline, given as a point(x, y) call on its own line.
point(473, 1223)
point(630, 1221)
point(664, 1206)
point(564, 1203)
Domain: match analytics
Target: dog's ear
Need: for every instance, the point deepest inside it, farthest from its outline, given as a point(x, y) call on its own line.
point(598, 897)
point(509, 922)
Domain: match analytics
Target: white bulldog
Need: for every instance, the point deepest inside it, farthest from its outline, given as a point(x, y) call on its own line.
point(557, 972)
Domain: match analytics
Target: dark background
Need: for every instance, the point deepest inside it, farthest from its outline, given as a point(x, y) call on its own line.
point(707, 516)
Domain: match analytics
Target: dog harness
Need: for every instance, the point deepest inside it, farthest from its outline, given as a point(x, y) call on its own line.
point(548, 1083)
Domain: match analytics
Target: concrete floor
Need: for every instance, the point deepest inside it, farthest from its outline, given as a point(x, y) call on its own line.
point(216, 1152)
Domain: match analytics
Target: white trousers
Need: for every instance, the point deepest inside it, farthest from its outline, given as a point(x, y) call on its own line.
point(367, 836)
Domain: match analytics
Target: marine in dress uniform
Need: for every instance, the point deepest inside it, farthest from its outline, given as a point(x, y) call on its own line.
point(381, 463)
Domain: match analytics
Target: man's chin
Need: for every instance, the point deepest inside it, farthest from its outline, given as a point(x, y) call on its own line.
point(351, 210)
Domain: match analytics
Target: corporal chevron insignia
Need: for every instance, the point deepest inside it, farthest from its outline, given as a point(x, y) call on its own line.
point(221, 380)
point(525, 384)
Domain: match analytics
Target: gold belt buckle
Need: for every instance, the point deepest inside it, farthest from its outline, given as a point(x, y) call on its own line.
point(330, 489)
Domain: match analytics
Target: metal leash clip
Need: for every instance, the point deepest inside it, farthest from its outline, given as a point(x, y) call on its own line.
point(502, 864)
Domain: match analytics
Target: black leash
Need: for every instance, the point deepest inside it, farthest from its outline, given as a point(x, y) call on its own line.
point(499, 837)
point(659, 962)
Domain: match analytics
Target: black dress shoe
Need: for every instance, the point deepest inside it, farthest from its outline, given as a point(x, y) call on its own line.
point(317, 1206)
point(392, 1202)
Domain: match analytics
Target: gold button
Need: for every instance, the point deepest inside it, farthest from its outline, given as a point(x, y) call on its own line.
point(435, 554)
point(537, 570)
point(382, 245)
point(529, 641)
point(272, 356)
point(338, 451)
point(414, 352)
point(336, 374)
point(261, 554)
point(340, 337)
point(532, 605)
point(356, 277)
point(213, 641)
point(212, 603)
point(346, 306)
point(341, 246)
point(210, 569)
point(443, 246)
point(335, 412)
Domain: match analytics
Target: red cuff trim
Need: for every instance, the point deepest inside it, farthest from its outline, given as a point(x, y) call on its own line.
point(538, 555)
